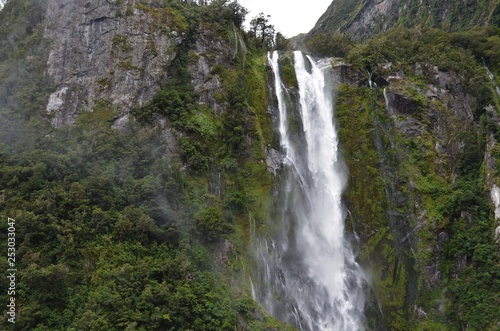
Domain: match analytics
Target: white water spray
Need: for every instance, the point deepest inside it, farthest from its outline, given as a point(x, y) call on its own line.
point(317, 270)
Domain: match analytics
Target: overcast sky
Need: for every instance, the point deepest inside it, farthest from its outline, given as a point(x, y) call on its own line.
point(290, 17)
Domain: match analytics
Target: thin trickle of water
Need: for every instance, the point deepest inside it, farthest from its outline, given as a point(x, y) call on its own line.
point(254, 295)
point(371, 83)
point(311, 267)
point(495, 197)
point(386, 98)
point(492, 78)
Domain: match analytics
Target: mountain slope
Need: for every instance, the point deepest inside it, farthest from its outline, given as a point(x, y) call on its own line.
point(363, 18)
point(131, 156)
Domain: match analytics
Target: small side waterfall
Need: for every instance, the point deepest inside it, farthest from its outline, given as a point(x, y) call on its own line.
point(492, 78)
point(371, 83)
point(308, 274)
point(495, 197)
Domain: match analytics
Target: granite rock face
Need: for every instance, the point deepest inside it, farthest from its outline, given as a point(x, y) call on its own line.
point(105, 50)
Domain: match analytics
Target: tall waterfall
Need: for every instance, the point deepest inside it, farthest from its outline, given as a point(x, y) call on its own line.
point(309, 274)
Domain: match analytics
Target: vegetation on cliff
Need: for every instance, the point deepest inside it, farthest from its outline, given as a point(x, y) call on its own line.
point(146, 227)
point(364, 18)
point(418, 193)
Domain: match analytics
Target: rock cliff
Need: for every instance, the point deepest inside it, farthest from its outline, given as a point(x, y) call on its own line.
point(419, 142)
point(363, 18)
point(111, 51)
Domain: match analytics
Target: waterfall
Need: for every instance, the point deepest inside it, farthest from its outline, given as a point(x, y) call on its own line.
point(310, 267)
point(371, 83)
point(495, 197)
point(386, 99)
point(492, 77)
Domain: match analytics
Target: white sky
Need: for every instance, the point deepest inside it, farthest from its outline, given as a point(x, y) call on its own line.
point(290, 17)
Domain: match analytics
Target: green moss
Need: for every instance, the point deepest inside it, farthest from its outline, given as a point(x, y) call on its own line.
point(170, 18)
point(367, 202)
point(126, 63)
point(121, 41)
point(104, 82)
point(288, 72)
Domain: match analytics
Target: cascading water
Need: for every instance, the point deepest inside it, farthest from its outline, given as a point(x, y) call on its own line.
point(492, 77)
point(309, 275)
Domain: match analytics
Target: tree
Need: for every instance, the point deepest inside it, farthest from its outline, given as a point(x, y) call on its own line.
point(281, 43)
point(262, 30)
point(226, 10)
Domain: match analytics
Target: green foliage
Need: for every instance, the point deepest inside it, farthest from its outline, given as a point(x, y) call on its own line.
point(451, 190)
point(356, 112)
point(211, 223)
point(338, 16)
point(100, 216)
point(122, 42)
point(460, 209)
point(288, 72)
point(114, 231)
point(21, 21)
point(354, 115)
point(281, 42)
point(174, 13)
point(473, 286)
point(262, 31)
point(452, 16)
point(323, 45)
point(24, 83)
point(226, 11)
point(402, 45)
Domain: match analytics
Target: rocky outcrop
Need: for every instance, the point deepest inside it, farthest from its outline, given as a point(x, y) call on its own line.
point(105, 50)
point(375, 12)
point(442, 108)
point(208, 56)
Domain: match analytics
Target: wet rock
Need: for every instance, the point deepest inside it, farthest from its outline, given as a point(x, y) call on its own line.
point(400, 104)
point(443, 238)
point(346, 74)
point(459, 265)
point(411, 186)
point(432, 275)
point(224, 248)
point(419, 313)
point(274, 160)
point(410, 127)
point(121, 123)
